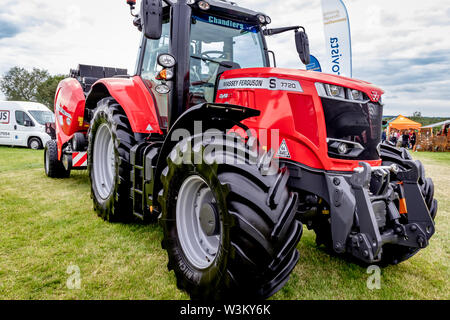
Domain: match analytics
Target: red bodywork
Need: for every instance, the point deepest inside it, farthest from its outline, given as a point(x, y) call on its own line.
point(130, 93)
point(298, 116)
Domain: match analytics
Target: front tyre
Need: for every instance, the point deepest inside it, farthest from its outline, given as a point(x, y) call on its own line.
point(110, 142)
point(395, 254)
point(229, 231)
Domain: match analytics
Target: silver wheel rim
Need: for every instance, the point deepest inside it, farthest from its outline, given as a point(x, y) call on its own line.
point(104, 162)
point(199, 247)
point(34, 145)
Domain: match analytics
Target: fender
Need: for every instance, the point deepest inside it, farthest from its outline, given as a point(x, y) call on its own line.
point(69, 111)
point(212, 116)
point(135, 99)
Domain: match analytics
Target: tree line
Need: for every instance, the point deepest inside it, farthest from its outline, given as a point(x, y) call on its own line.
point(37, 85)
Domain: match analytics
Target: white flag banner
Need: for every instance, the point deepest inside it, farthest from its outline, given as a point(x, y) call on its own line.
point(337, 38)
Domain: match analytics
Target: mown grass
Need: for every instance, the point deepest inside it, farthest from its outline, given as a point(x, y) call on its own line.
point(48, 225)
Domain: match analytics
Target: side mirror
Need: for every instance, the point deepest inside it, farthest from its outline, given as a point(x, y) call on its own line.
point(151, 18)
point(28, 123)
point(302, 43)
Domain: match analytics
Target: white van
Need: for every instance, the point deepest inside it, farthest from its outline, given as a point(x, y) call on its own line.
point(23, 124)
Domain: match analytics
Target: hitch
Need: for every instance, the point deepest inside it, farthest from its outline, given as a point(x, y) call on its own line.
point(377, 216)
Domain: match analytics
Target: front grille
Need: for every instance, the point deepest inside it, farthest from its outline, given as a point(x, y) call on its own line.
point(358, 123)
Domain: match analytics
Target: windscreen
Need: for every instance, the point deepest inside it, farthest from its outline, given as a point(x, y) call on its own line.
point(218, 41)
point(42, 117)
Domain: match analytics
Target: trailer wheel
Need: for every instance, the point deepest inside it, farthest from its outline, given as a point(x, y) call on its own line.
point(53, 167)
point(229, 230)
point(110, 141)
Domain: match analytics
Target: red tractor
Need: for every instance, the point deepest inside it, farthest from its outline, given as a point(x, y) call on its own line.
point(234, 155)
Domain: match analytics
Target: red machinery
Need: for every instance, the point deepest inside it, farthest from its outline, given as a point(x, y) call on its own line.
point(234, 156)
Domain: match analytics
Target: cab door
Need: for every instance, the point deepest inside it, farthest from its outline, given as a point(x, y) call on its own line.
point(149, 70)
point(23, 128)
point(5, 127)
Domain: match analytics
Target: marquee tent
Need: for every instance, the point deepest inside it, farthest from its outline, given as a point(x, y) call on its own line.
point(403, 123)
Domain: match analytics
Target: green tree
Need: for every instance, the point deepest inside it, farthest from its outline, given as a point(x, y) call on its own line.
point(47, 89)
point(19, 84)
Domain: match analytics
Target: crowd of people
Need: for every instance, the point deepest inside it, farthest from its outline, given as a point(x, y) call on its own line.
point(405, 139)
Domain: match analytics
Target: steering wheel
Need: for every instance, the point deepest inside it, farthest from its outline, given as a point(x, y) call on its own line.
point(206, 54)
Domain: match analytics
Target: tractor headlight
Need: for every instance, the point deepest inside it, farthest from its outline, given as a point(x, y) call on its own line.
point(204, 5)
point(336, 91)
point(262, 19)
point(162, 89)
point(167, 60)
point(332, 91)
point(357, 95)
point(344, 148)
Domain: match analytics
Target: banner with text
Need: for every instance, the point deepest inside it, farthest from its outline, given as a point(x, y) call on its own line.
point(337, 38)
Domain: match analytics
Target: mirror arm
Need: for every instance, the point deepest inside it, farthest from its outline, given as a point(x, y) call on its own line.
point(274, 58)
point(271, 32)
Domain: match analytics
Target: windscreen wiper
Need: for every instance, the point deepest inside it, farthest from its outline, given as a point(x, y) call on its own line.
point(226, 65)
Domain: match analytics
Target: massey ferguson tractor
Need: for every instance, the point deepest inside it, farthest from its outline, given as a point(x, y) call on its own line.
point(233, 155)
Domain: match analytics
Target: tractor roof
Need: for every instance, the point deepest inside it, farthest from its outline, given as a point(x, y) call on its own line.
point(232, 10)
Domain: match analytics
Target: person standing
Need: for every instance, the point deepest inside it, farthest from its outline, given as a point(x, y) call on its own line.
point(405, 139)
point(413, 140)
point(384, 136)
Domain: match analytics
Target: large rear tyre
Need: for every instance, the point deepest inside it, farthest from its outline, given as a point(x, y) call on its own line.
point(52, 166)
point(110, 142)
point(229, 231)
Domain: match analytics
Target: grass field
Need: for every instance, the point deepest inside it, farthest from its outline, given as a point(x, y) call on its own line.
point(47, 226)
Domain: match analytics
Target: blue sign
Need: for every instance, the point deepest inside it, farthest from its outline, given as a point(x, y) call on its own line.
point(314, 65)
point(227, 23)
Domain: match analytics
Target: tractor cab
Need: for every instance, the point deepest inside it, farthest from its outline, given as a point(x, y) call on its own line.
point(208, 38)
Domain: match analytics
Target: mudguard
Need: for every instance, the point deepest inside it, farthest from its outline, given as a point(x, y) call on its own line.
point(135, 99)
point(69, 111)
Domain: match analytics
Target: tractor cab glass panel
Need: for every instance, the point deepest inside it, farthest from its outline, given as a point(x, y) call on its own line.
point(150, 69)
point(218, 45)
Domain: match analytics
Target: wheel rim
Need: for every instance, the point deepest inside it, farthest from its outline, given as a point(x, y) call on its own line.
point(198, 222)
point(34, 145)
point(104, 162)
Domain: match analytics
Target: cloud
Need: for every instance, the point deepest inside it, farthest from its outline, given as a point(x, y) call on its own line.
point(401, 46)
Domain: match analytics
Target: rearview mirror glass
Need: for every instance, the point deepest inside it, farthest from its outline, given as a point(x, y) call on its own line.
point(302, 43)
point(151, 18)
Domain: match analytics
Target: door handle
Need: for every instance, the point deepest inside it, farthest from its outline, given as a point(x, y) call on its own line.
point(15, 127)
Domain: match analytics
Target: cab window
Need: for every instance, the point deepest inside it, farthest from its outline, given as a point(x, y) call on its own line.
point(150, 69)
point(219, 44)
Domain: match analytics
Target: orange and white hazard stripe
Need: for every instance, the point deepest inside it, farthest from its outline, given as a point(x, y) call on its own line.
point(79, 159)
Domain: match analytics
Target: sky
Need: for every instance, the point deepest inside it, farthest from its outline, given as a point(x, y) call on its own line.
point(401, 46)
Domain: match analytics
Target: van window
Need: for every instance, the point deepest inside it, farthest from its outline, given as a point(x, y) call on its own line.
point(42, 116)
point(21, 117)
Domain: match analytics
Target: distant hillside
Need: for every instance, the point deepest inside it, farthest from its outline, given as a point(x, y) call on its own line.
point(424, 121)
